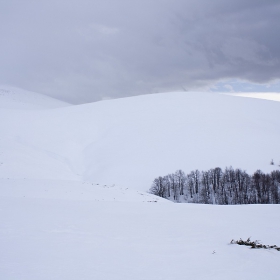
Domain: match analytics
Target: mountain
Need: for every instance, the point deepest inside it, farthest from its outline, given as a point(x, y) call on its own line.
point(15, 98)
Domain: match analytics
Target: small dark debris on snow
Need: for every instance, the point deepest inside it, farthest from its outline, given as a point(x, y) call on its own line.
point(254, 244)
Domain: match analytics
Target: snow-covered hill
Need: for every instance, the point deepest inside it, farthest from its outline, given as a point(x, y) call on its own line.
point(15, 98)
point(73, 182)
point(130, 141)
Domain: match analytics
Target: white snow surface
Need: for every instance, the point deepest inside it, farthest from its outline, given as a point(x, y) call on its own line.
point(130, 141)
point(275, 96)
point(68, 237)
point(73, 179)
point(72, 191)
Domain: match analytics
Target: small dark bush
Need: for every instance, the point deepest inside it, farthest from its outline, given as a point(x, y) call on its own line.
point(254, 244)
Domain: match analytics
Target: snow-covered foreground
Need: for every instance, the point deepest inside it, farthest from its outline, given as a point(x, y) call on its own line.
point(44, 237)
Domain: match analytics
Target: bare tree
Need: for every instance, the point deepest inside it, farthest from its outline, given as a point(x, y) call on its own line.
point(219, 187)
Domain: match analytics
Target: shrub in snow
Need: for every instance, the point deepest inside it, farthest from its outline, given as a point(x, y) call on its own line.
point(254, 244)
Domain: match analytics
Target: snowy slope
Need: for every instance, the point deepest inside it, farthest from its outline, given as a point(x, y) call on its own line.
point(45, 237)
point(73, 182)
point(130, 141)
point(72, 191)
point(15, 98)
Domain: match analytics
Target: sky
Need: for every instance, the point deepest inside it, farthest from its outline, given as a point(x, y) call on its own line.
point(85, 51)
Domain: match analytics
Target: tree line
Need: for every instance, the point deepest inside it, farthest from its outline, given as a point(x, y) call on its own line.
point(217, 186)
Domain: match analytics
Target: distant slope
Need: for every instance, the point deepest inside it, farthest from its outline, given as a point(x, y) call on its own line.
point(274, 96)
point(130, 141)
point(15, 98)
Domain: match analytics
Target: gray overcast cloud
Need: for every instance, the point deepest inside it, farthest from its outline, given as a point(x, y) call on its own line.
point(82, 51)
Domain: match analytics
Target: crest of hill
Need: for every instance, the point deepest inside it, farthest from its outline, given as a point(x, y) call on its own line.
point(15, 98)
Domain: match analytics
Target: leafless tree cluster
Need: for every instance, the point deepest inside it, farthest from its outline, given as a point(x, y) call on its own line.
point(217, 186)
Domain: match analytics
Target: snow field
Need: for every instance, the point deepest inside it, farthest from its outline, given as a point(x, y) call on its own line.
point(83, 239)
point(72, 190)
point(73, 182)
point(130, 141)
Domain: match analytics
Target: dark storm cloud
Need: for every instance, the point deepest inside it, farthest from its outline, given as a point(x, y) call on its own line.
point(88, 50)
